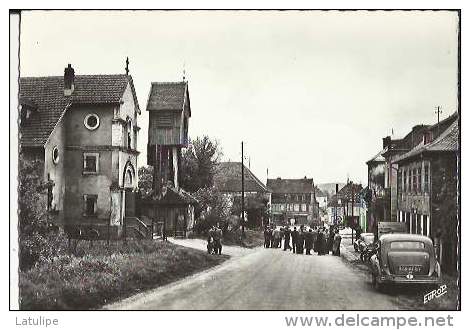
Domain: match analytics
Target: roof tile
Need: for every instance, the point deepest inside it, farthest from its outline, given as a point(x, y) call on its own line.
point(291, 185)
point(167, 96)
point(228, 178)
point(47, 93)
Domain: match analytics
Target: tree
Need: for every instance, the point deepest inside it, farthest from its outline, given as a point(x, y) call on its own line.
point(256, 208)
point(198, 164)
point(145, 181)
point(39, 238)
point(213, 208)
point(32, 201)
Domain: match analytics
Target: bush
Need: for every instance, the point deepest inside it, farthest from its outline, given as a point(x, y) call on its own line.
point(70, 282)
point(36, 248)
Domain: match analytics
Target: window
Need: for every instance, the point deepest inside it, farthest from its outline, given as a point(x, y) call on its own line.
point(50, 192)
point(399, 185)
point(129, 132)
point(55, 155)
point(90, 205)
point(304, 207)
point(128, 178)
point(406, 245)
point(25, 114)
point(405, 180)
point(414, 180)
point(409, 180)
point(426, 177)
point(92, 121)
point(419, 179)
point(90, 162)
point(407, 221)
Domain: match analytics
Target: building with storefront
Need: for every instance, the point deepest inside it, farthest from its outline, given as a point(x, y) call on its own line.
point(427, 188)
point(293, 201)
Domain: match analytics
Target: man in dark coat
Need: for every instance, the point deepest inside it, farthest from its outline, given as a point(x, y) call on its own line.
point(300, 242)
point(287, 239)
point(320, 242)
point(295, 236)
point(210, 241)
point(266, 237)
point(315, 241)
point(331, 237)
point(308, 241)
point(271, 237)
point(218, 240)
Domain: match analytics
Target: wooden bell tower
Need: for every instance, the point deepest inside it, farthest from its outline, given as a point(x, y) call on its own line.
point(169, 112)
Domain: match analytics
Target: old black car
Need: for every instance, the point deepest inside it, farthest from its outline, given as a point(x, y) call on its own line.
point(404, 259)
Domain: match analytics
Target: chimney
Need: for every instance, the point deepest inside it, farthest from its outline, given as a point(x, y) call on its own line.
point(69, 77)
point(337, 188)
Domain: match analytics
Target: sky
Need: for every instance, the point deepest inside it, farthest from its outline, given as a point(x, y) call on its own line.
point(311, 93)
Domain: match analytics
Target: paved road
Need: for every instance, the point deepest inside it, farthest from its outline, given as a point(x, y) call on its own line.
point(267, 279)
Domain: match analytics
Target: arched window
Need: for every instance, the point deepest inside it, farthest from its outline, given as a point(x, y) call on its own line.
point(129, 133)
point(129, 174)
point(128, 178)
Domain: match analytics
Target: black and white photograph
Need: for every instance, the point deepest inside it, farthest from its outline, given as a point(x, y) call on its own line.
point(235, 160)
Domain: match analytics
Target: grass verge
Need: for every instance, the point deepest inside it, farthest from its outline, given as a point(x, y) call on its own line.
point(104, 275)
point(252, 239)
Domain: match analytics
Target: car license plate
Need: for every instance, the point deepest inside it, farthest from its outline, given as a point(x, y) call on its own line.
point(410, 269)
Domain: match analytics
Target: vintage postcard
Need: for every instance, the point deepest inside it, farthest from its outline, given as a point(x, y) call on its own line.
point(237, 160)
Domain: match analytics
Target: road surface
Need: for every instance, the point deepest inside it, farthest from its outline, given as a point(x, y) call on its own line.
point(267, 279)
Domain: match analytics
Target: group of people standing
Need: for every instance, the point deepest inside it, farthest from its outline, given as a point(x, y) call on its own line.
point(321, 240)
point(214, 240)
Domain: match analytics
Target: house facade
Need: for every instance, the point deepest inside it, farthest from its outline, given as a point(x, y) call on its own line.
point(376, 196)
point(427, 189)
point(347, 206)
point(393, 149)
point(293, 201)
point(83, 129)
point(228, 181)
point(321, 197)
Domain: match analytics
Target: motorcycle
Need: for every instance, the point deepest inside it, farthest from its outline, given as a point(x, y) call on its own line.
point(368, 252)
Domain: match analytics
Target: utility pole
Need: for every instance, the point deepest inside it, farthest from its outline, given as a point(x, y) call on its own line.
point(352, 211)
point(438, 111)
point(335, 221)
point(243, 195)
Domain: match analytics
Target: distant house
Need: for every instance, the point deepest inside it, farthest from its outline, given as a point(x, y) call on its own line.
point(378, 198)
point(83, 129)
point(347, 206)
point(293, 200)
point(321, 197)
point(228, 180)
point(427, 188)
